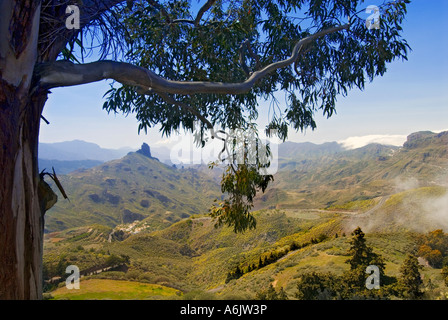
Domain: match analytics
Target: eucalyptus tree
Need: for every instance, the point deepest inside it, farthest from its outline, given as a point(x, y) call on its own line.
point(173, 63)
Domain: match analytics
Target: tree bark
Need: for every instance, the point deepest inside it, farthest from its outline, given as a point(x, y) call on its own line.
point(24, 196)
point(21, 211)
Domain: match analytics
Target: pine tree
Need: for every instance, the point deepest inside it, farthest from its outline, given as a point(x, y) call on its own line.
point(238, 272)
point(361, 257)
point(361, 254)
point(358, 249)
point(410, 279)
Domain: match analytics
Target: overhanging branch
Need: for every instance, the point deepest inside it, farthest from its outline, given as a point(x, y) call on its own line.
point(203, 10)
point(64, 73)
point(168, 19)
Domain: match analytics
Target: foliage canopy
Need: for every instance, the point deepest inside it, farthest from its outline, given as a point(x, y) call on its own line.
point(226, 43)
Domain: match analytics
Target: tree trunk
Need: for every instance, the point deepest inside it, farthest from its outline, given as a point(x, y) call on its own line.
point(24, 197)
point(21, 216)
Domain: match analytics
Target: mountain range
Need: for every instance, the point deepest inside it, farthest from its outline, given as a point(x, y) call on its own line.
point(135, 187)
point(69, 156)
point(79, 150)
point(156, 215)
point(309, 176)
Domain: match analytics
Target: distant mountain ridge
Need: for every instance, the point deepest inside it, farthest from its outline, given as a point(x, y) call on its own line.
point(68, 156)
point(298, 150)
point(79, 150)
point(82, 150)
point(309, 176)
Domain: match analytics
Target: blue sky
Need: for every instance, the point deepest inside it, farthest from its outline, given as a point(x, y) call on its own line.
point(411, 96)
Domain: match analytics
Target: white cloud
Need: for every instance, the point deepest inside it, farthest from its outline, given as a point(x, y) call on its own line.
point(361, 141)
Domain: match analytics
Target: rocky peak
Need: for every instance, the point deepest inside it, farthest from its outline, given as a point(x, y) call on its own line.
point(416, 139)
point(425, 138)
point(145, 150)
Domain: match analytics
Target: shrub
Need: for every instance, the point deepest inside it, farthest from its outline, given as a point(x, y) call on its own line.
point(433, 247)
point(161, 279)
point(146, 277)
point(112, 275)
point(133, 274)
point(144, 203)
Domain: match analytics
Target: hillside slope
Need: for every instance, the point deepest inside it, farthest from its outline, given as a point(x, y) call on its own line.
point(195, 257)
point(134, 187)
point(393, 194)
point(364, 173)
